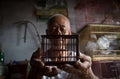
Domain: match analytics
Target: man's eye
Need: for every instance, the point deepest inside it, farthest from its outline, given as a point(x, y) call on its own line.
point(53, 28)
point(62, 29)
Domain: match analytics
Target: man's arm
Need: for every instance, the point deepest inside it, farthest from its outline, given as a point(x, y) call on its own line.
point(90, 75)
point(33, 74)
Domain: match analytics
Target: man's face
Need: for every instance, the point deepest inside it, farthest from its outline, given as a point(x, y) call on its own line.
point(59, 26)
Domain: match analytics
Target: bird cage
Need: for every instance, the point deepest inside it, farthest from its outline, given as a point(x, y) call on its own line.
point(69, 49)
point(101, 41)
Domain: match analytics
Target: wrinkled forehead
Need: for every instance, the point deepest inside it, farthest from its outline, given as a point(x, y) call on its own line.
point(58, 20)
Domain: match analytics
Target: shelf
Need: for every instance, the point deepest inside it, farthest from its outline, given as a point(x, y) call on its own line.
point(107, 50)
point(105, 57)
point(105, 32)
point(104, 25)
point(101, 33)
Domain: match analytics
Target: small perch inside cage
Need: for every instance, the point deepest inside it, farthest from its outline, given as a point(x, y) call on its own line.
point(60, 49)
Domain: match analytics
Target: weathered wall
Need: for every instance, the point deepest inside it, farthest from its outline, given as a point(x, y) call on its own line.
point(12, 33)
point(97, 11)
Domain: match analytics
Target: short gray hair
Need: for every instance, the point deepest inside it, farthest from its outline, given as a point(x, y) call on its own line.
point(51, 19)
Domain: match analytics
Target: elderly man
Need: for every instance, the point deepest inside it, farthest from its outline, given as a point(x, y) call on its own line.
point(59, 25)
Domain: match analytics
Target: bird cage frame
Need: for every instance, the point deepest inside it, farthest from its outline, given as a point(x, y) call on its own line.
point(72, 45)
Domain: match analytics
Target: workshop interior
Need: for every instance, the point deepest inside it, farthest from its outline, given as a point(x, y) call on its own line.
point(95, 26)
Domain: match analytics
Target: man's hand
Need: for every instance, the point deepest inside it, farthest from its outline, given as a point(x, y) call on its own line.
point(82, 67)
point(38, 66)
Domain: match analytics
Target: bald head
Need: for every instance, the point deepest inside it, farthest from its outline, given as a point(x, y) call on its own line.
point(58, 23)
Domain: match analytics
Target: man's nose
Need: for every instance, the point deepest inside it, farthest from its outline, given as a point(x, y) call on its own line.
point(59, 32)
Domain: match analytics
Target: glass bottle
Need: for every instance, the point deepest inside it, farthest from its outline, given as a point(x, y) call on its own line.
point(1, 56)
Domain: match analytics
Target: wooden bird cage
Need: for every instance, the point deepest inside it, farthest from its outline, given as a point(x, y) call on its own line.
point(56, 59)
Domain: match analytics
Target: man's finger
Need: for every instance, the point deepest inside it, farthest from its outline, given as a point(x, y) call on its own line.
point(38, 53)
point(83, 65)
point(70, 69)
point(50, 71)
point(84, 57)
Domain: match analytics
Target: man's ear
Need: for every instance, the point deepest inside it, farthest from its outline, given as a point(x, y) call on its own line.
point(47, 31)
